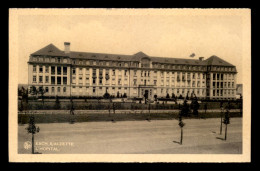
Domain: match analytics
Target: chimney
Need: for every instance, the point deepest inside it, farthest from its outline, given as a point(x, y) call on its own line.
point(201, 58)
point(67, 47)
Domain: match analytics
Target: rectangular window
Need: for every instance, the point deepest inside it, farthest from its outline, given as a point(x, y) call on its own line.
point(58, 89)
point(46, 69)
point(65, 80)
point(40, 69)
point(52, 80)
point(53, 70)
point(59, 60)
point(46, 89)
point(46, 79)
point(100, 81)
point(94, 73)
point(40, 79)
point(34, 68)
point(64, 70)
point(80, 70)
point(52, 89)
point(94, 80)
point(59, 70)
point(59, 80)
point(113, 72)
point(134, 72)
point(94, 89)
point(73, 70)
point(34, 78)
point(64, 89)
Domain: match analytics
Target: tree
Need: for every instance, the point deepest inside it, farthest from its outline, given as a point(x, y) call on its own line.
point(180, 97)
point(125, 95)
point(149, 109)
point(145, 97)
point(173, 96)
point(187, 96)
point(185, 109)
point(24, 100)
point(57, 103)
point(155, 97)
point(205, 107)
point(71, 107)
point(117, 94)
point(221, 116)
point(167, 96)
point(114, 110)
point(195, 106)
point(241, 104)
point(32, 129)
point(41, 91)
point(181, 124)
point(106, 95)
point(226, 121)
point(33, 91)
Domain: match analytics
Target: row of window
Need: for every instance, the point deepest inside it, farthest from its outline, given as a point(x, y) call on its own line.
point(127, 64)
point(53, 70)
point(223, 76)
point(223, 92)
point(54, 80)
point(53, 89)
point(50, 59)
point(223, 85)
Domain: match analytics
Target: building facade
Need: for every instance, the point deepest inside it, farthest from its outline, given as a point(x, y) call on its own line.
point(70, 73)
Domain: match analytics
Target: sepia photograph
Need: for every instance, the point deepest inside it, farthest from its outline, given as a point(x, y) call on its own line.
point(129, 85)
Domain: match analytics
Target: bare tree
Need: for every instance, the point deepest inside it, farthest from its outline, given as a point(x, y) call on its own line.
point(181, 124)
point(226, 122)
point(32, 129)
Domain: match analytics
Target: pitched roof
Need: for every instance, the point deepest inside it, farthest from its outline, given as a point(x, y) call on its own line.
point(214, 60)
point(99, 56)
point(50, 50)
point(177, 61)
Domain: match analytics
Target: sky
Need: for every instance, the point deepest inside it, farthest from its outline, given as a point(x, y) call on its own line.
point(175, 36)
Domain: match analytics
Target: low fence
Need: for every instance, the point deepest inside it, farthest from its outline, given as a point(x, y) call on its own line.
point(65, 104)
point(124, 116)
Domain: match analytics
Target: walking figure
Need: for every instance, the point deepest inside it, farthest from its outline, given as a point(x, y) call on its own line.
point(72, 108)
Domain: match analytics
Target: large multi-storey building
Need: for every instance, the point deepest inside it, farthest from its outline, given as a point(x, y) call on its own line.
point(70, 73)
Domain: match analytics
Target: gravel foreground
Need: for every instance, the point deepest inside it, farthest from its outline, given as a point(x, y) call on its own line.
point(201, 136)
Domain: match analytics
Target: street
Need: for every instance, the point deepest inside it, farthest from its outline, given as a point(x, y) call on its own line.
point(201, 136)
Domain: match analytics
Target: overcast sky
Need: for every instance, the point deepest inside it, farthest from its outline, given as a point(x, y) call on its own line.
point(156, 35)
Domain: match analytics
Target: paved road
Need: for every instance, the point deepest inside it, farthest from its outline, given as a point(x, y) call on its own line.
point(201, 136)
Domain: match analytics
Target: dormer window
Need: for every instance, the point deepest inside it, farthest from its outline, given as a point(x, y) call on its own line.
point(145, 63)
point(59, 60)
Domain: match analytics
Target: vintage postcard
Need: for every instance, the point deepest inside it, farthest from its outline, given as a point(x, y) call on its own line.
point(129, 85)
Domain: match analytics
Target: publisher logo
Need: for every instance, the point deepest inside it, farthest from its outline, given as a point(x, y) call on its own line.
point(27, 145)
